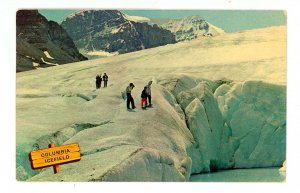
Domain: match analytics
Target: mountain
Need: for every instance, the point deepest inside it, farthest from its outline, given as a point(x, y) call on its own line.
point(218, 103)
point(42, 43)
point(188, 28)
point(113, 31)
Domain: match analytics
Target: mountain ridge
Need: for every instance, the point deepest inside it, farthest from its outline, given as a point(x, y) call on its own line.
point(191, 27)
point(42, 43)
point(111, 31)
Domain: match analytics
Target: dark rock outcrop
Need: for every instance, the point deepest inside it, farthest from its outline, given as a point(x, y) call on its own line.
point(42, 43)
point(152, 36)
point(110, 31)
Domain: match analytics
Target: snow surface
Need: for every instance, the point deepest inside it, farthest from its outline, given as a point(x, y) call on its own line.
point(218, 103)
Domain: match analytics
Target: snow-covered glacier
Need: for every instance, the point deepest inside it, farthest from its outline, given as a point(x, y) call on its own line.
point(196, 126)
point(209, 113)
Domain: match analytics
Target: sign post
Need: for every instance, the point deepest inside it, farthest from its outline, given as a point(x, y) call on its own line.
point(55, 167)
point(54, 155)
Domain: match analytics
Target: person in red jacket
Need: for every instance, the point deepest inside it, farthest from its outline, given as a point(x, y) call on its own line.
point(144, 98)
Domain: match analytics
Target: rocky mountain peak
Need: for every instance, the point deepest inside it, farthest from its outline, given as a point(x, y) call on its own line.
point(42, 43)
point(112, 31)
point(191, 27)
point(32, 27)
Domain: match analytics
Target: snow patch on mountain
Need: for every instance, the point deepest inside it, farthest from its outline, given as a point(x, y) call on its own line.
point(101, 53)
point(48, 55)
point(50, 63)
point(215, 30)
point(81, 12)
point(136, 18)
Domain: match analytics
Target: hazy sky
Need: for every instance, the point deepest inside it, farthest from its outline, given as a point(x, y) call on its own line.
point(230, 21)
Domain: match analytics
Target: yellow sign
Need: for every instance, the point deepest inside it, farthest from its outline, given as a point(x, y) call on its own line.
point(55, 155)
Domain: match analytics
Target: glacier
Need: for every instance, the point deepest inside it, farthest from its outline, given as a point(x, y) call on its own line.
point(214, 109)
point(234, 125)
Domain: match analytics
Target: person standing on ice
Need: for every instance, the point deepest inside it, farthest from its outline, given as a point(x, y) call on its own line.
point(105, 79)
point(129, 97)
point(98, 81)
point(148, 92)
point(144, 98)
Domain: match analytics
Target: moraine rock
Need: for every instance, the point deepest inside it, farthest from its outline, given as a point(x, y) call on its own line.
point(42, 43)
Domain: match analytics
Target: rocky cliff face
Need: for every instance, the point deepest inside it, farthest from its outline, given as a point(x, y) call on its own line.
point(42, 43)
point(192, 27)
point(111, 31)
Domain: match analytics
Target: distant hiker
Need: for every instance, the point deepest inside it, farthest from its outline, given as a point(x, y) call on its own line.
point(148, 92)
point(144, 98)
point(105, 79)
point(129, 97)
point(98, 81)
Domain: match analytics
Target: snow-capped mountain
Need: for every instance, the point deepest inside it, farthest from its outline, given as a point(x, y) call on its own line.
point(192, 27)
point(42, 43)
point(113, 31)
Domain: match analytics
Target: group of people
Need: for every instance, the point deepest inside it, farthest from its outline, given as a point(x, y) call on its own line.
point(146, 94)
point(99, 80)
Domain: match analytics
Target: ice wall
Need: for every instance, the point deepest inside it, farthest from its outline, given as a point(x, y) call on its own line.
point(234, 125)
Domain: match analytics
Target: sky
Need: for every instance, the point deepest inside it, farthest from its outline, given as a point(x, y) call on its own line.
point(228, 20)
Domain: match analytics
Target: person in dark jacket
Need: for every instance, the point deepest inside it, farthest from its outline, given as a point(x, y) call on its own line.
point(105, 79)
point(144, 98)
point(98, 81)
point(129, 97)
